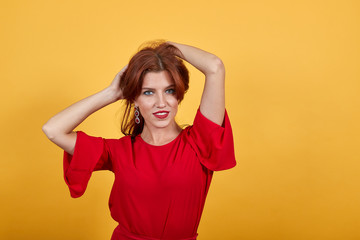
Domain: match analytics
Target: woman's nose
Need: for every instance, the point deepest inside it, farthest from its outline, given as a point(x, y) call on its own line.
point(160, 101)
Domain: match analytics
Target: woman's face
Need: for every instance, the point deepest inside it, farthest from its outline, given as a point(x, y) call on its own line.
point(157, 101)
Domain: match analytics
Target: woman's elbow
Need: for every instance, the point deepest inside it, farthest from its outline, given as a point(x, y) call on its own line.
point(48, 130)
point(217, 66)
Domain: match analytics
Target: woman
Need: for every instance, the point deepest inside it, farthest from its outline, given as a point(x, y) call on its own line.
point(162, 172)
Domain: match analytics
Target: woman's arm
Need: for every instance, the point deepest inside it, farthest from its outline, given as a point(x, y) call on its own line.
point(59, 129)
point(212, 104)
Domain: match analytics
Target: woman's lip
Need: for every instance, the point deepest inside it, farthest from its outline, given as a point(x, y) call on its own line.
point(161, 116)
point(161, 112)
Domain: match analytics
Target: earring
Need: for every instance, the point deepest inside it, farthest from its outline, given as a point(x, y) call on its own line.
point(137, 113)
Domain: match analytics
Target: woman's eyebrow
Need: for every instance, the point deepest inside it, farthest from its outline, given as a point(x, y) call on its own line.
point(172, 85)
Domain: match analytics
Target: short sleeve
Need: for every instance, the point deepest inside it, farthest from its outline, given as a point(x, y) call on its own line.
point(213, 143)
point(90, 154)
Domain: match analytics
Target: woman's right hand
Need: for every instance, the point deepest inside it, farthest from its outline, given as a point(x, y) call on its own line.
point(59, 128)
point(115, 84)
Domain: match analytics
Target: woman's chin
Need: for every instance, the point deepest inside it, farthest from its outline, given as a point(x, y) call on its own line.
point(160, 123)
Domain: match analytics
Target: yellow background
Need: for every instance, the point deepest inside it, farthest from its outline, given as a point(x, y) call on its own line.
point(292, 94)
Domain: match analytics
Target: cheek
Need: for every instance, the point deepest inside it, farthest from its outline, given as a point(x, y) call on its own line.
point(173, 102)
point(144, 105)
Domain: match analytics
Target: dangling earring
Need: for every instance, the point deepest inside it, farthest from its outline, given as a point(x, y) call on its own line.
point(137, 113)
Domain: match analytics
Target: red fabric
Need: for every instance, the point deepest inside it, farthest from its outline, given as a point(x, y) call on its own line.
point(159, 191)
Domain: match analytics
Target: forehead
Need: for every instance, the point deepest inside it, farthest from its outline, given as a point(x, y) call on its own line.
point(157, 79)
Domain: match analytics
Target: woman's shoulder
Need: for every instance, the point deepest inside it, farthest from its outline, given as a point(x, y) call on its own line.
point(119, 147)
point(122, 140)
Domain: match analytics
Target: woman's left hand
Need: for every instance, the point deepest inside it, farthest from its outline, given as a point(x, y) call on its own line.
point(115, 84)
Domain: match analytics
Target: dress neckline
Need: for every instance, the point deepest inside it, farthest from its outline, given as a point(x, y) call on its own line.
point(159, 146)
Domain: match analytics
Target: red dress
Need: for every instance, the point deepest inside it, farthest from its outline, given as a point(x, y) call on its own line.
point(159, 191)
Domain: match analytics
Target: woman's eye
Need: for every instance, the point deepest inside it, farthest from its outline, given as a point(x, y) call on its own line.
point(171, 91)
point(147, 92)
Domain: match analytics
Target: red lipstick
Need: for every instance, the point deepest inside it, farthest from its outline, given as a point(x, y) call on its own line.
point(161, 114)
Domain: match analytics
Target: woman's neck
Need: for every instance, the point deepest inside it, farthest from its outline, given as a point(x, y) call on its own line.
point(160, 136)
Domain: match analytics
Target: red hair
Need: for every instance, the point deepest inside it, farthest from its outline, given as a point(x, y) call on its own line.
point(154, 57)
